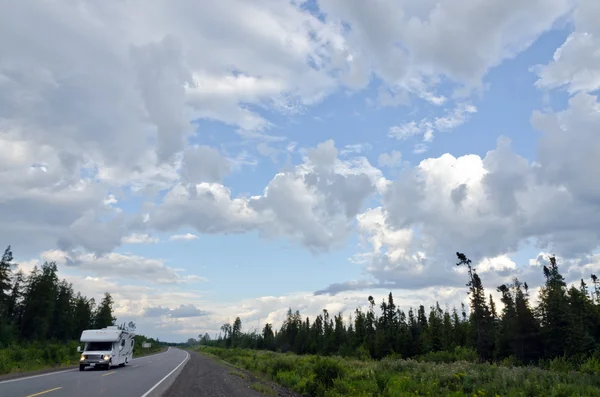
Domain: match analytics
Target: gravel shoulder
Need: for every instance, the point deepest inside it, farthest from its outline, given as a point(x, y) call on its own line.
point(206, 376)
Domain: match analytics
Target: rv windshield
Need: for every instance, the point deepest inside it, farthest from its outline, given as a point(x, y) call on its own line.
point(99, 346)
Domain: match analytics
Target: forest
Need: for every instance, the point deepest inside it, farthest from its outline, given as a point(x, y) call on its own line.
point(565, 324)
point(42, 317)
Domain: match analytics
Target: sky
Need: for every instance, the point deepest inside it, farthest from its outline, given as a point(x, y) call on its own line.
point(207, 160)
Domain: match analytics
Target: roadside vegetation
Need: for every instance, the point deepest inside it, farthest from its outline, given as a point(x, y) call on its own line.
point(552, 348)
point(313, 375)
point(42, 317)
point(43, 355)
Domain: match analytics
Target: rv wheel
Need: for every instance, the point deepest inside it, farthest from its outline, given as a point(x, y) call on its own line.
point(81, 367)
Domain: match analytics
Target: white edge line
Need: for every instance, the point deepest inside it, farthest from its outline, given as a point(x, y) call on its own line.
point(60, 372)
point(36, 376)
point(187, 355)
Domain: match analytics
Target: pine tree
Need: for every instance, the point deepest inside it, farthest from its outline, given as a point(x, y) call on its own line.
point(38, 302)
point(6, 266)
point(553, 311)
point(104, 315)
point(63, 319)
point(528, 343)
point(481, 318)
point(580, 340)
point(268, 337)
point(236, 332)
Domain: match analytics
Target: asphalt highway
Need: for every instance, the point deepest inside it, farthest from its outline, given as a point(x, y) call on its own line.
point(143, 377)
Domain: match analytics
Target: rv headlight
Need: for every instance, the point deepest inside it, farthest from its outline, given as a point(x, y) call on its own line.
point(106, 357)
point(82, 358)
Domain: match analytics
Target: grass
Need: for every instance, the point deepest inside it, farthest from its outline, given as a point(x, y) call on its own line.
point(264, 389)
point(336, 377)
point(40, 356)
point(239, 374)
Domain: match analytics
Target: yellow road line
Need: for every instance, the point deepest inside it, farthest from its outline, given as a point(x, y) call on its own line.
point(44, 392)
point(110, 373)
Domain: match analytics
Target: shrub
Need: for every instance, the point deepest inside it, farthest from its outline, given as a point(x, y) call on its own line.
point(329, 376)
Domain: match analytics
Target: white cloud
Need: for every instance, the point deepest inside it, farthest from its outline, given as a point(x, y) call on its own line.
point(410, 44)
point(119, 267)
point(428, 127)
point(314, 203)
point(500, 263)
point(182, 311)
point(183, 237)
point(488, 207)
point(105, 114)
point(576, 64)
point(391, 159)
point(204, 164)
point(129, 129)
point(136, 238)
point(357, 148)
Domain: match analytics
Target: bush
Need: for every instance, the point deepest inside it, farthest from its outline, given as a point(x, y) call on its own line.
point(19, 358)
point(329, 376)
point(327, 370)
point(458, 354)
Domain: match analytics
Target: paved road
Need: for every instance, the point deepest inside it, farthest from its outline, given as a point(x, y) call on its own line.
point(143, 377)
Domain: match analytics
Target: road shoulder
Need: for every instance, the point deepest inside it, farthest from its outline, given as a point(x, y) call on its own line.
point(208, 376)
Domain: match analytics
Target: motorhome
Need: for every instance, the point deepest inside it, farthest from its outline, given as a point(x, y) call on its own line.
point(105, 348)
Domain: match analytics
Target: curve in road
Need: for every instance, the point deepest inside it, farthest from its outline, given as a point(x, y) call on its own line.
point(142, 377)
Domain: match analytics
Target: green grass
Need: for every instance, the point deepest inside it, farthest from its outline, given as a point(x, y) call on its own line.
point(39, 356)
point(239, 374)
point(264, 389)
point(336, 377)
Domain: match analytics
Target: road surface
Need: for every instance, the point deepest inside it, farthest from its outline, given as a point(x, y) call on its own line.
point(143, 377)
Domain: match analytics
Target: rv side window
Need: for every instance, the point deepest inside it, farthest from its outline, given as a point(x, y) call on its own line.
point(123, 343)
point(132, 343)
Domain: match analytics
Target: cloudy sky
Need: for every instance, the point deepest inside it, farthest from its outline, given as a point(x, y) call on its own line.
point(202, 160)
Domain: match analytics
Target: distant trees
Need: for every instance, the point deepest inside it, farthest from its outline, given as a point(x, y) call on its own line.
point(42, 307)
point(566, 322)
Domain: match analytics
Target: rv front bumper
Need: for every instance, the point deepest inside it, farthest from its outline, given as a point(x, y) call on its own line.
point(93, 359)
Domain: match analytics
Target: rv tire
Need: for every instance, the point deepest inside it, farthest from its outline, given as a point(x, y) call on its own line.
point(81, 367)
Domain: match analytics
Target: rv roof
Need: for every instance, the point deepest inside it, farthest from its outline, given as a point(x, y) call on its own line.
point(101, 335)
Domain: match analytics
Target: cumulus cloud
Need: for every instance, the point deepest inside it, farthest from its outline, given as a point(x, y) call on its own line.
point(488, 207)
point(576, 64)
point(75, 152)
point(182, 311)
point(115, 266)
point(204, 164)
point(152, 77)
point(136, 238)
point(410, 44)
point(183, 237)
point(313, 204)
point(390, 160)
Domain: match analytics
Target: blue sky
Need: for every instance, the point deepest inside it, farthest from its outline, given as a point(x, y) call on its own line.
point(246, 173)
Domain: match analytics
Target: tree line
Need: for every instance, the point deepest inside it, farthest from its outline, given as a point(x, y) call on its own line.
point(565, 323)
point(40, 306)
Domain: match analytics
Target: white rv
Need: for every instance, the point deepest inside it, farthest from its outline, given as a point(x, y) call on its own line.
point(106, 347)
